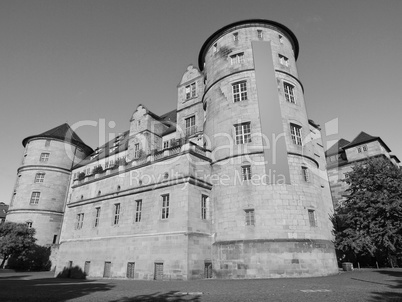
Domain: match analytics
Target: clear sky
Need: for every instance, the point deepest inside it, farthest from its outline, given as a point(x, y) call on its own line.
point(73, 61)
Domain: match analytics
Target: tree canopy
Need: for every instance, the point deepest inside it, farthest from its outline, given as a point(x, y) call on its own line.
point(369, 221)
point(15, 238)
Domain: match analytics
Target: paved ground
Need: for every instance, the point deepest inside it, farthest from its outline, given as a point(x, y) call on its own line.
point(359, 285)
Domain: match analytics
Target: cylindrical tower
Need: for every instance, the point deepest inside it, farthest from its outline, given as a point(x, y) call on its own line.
point(43, 179)
point(271, 218)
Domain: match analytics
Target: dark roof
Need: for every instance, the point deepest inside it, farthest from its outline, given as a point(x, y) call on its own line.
point(64, 133)
point(245, 23)
point(362, 138)
point(337, 147)
point(396, 158)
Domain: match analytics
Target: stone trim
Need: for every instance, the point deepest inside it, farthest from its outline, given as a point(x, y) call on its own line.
point(36, 210)
point(44, 167)
point(301, 155)
point(319, 242)
point(292, 76)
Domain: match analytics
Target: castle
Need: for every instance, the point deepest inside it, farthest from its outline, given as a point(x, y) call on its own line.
point(231, 184)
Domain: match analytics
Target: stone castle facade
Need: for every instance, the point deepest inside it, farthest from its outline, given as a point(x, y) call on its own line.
point(231, 184)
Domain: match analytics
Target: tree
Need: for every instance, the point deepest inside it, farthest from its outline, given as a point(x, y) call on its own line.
point(15, 238)
point(369, 222)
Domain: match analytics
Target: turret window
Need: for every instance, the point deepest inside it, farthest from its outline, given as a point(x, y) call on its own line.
point(236, 37)
point(289, 92)
point(239, 90)
point(259, 33)
point(44, 157)
point(250, 217)
point(35, 198)
point(246, 172)
point(39, 177)
point(47, 143)
point(296, 133)
point(237, 58)
point(242, 133)
point(283, 60)
point(190, 126)
point(306, 174)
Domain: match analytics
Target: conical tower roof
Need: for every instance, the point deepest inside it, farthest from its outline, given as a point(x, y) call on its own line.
point(64, 133)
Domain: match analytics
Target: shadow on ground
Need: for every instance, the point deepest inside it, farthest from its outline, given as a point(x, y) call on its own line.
point(161, 297)
point(17, 288)
point(394, 285)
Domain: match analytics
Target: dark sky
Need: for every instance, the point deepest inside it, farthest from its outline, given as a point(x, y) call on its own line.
point(93, 61)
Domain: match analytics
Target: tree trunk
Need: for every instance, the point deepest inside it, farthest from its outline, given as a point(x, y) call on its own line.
point(4, 261)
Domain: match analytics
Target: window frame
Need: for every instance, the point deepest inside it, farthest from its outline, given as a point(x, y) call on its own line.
point(190, 125)
point(241, 136)
point(138, 210)
point(39, 177)
point(296, 133)
point(237, 58)
point(79, 221)
point(283, 60)
point(190, 91)
point(204, 206)
point(116, 213)
point(239, 91)
point(165, 206)
point(289, 91)
point(44, 157)
point(35, 197)
point(246, 172)
point(312, 217)
point(249, 217)
point(306, 174)
point(97, 216)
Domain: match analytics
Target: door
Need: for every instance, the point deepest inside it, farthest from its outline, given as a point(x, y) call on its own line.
point(208, 270)
point(106, 271)
point(158, 271)
point(86, 267)
point(130, 270)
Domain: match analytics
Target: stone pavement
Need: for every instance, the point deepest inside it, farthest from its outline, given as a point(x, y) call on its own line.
point(359, 285)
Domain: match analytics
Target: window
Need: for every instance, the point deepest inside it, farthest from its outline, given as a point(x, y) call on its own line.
point(165, 206)
point(165, 144)
point(116, 214)
point(365, 148)
point(215, 48)
point(235, 37)
point(296, 133)
point(191, 91)
point(130, 270)
point(280, 39)
point(190, 126)
point(259, 33)
point(29, 224)
point(47, 143)
point(311, 218)
point(35, 198)
point(79, 221)
point(97, 217)
point(242, 132)
point(237, 58)
point(306, 174)
point(359, 149)
point(250, 217)
point(204, 206)
point(54, 239)
point(137, 151)
point(44, 157)
point(39, 177)
point(283, 60)
point(239, 90)
point(289, 92)
point(138, 209)
point(246, 172)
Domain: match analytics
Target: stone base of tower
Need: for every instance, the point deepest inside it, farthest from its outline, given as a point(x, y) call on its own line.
point(273, 258)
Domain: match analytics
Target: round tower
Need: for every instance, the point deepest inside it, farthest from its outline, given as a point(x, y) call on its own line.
point(43, 181)
point(271, 218)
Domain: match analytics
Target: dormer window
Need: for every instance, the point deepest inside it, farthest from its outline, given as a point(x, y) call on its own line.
point(191, 91)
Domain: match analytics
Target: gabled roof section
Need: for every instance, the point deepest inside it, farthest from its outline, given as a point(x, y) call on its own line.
point(363, 138)
point(337, 147)
point(64, 133)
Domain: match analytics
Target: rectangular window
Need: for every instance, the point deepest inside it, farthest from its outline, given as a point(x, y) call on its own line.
point(130, 270)
point(137, 150)
point(235, 37)
point(237, 58)
point(289, 92)
point(283, 60)
point(215, 48)
point(191, 91)
point(87, 267)
point(39, 177)
point(165, 206)
point(204, 206)
point(138, 210)
point(359, 149)
point(97, 216)
point(249, 217)
point(47, 143)
point(311, 218)
point(29, 224)
point(107, 271)
point(280, 39)
point(35, 198)
point(239, 91)
point(116, 214)
point(79, 221)
point(306, 174)
point(190, 126)
point(243, 133)
point(259, 33)
point(296, 133)
point(44, 157)
point(54, 239)
point(246, 172)
point(165, 144)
